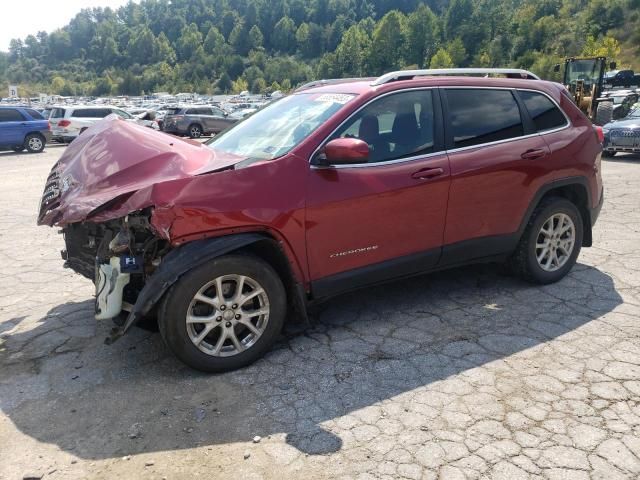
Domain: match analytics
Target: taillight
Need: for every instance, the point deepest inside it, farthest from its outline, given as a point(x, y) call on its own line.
point(48, 125)
point(64, 123)
point(599, 133)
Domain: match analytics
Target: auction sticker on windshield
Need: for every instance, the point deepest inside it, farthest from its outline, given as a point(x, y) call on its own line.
point(341, 98)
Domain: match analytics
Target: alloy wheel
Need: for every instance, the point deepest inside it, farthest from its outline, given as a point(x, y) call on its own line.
point(228, 315)
point(195, 132)
point(35, 143)
point(555, 242)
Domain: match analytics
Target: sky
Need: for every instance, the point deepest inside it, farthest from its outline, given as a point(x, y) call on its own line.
point(19, 18)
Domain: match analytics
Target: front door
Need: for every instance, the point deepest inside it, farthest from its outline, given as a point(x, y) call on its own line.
point(384, 218)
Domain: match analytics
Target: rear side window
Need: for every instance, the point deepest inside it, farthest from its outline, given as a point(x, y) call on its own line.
point(84, 113)
point(545, 114)
point(57, 113)
point(481, 116)
point(10, 115)
point(33, 114)
point(91, 113)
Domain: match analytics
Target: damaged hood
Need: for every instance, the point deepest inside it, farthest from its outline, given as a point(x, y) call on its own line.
point(112, 161)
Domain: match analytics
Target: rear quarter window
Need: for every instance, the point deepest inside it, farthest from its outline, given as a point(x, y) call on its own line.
point(58, 113)
point(480, 116)
point(544, 113)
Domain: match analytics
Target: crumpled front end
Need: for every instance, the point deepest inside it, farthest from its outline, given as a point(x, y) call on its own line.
point(103, 193)
point(114, 162)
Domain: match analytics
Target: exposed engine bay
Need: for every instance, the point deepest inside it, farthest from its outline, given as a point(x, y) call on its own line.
point(117, 256)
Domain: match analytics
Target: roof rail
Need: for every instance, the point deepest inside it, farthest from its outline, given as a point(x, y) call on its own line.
point(409, 74)
point(328, 81)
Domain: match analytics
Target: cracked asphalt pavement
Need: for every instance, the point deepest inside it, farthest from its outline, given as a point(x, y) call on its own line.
point(463, 374)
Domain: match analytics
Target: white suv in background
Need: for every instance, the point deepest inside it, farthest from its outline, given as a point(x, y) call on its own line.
point(67, 122)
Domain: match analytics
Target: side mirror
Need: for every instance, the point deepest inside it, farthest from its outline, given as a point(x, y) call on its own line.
point(556, 68)
point(612, 65)
point(342, 151)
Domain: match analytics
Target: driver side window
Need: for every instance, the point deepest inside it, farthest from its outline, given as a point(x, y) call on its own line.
point(397, 126)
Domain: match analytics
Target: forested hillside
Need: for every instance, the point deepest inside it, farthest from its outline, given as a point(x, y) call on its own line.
point(233, 45)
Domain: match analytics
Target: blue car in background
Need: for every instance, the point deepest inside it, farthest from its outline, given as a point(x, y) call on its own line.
point(23, 128)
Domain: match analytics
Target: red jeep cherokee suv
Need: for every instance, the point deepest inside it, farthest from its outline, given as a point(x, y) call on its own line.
point(340, 185)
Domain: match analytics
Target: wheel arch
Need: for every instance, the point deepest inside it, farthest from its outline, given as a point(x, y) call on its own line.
point(34, 132)
point(574, 189)
point(189, 255)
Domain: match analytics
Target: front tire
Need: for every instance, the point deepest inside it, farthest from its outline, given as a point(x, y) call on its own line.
point(551, 242)
point(34, 143)
point(18, 148)
point(195, 131)
point(225, 314)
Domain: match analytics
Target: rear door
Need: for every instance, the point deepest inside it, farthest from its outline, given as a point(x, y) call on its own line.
point(13, 127)
point(385, 218)
point(498, 162)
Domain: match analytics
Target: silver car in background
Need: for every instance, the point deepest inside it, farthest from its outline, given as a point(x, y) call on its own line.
point(622, 135)
point(196, 120)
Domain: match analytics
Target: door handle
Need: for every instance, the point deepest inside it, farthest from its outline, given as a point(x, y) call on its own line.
point(533, 154)
point(427, 173)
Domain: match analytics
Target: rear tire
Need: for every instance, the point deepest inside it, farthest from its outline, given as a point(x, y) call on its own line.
point(544, 234)
point(195, 130)
point(208, 297)
point(604, 113)
point(608, 154)
point(34, 143)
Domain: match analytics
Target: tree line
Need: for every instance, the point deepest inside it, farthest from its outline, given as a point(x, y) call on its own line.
point(220, 46)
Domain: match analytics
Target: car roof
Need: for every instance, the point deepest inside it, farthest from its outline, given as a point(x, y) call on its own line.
point(363, 86)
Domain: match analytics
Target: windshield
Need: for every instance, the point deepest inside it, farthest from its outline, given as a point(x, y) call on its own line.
point(276, 129)
point(587, 70)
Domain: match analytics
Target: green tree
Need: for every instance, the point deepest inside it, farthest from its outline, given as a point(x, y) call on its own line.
point(142, 47)
point(189, 41)
point(164, 52)
point(284, 35)
point(604, 47)
point(351, 54)
point(422, 35)
point(224, 83)
point(457, 52)
point(386, 52)
point(441, 59)
point(214, 41)
point(259, 85)
point(239, 86)
point(256, 39)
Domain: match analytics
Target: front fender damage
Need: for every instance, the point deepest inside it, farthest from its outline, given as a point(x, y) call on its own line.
point(175, 264)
